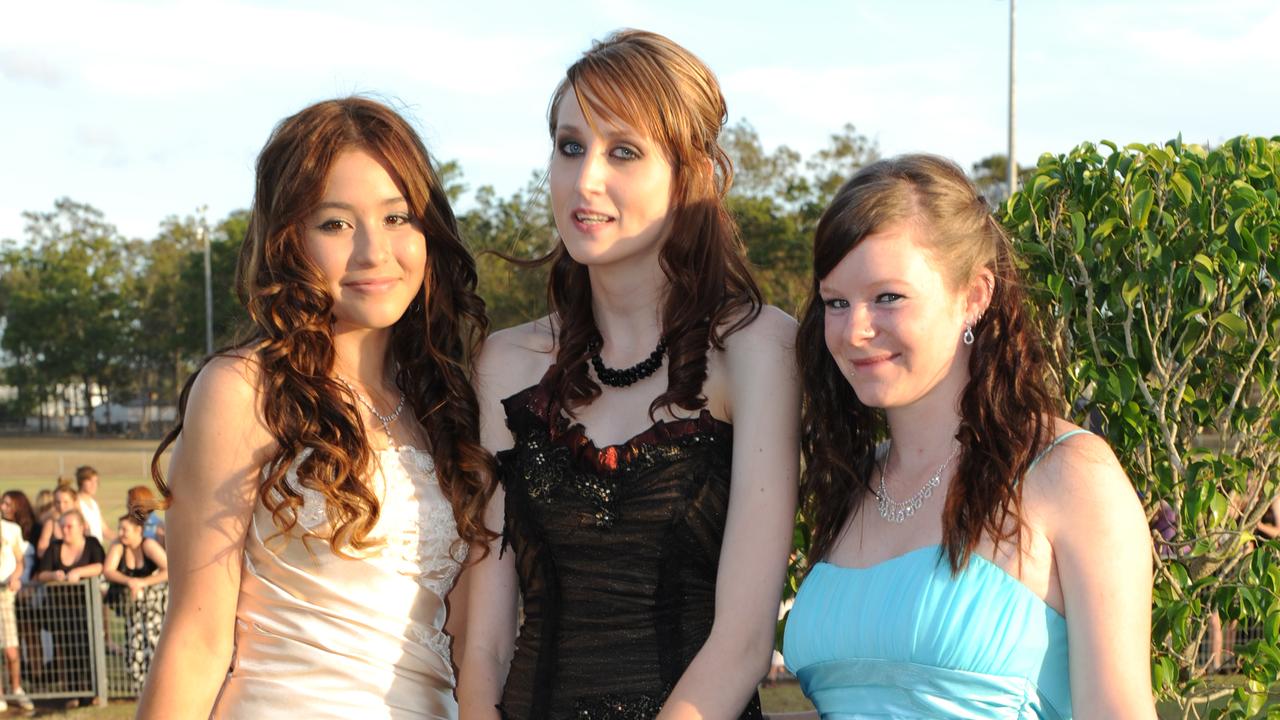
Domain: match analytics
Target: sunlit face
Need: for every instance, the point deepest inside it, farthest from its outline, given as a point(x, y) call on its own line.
point(72, 528)
point(891, 323)
point(64, 501)
point(6, 508)
point(610, 190)
point(372, 255)
point(130, 533)
point(89, 485)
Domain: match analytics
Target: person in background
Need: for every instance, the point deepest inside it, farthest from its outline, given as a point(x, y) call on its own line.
point(140, 503)
point(95, 523)
point(69, 560)
point(43, 505)
point(138, 570)
point(12, 563)
point(16, 508)
point(65, 500)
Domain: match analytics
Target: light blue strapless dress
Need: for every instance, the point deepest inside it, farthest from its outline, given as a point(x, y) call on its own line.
point(905, 639)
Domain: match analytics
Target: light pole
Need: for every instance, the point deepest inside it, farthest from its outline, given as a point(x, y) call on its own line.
point(208, 286)
point(1012, 157)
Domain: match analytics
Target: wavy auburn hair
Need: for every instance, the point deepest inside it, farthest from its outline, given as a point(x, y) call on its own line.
point(291, 340)
point(657, 87)
point(1007, 404)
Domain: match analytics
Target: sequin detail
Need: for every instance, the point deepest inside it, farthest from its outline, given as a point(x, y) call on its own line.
point(571, 463)
point(616, 551)
point(639, 706)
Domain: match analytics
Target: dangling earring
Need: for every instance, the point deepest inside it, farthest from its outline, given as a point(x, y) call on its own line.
point(968, 333)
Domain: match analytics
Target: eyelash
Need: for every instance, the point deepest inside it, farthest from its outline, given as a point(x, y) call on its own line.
point(573, 148)
point(337, 225)
point(842, 304)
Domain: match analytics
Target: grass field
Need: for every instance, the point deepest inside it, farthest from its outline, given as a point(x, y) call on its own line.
point(32, 464)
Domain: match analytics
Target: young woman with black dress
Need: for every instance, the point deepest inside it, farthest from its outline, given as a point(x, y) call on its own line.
point(645, 431)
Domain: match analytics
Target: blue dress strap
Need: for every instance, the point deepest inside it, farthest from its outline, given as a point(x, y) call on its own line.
point(1056, 442)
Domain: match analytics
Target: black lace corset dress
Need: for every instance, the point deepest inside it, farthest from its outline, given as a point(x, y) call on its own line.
point(616, 550)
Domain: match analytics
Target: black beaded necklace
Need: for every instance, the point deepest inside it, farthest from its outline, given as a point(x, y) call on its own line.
point(628, 376)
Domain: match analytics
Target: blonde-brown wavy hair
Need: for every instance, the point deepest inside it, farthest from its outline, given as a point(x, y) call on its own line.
point(290, 336)
point(663, 90)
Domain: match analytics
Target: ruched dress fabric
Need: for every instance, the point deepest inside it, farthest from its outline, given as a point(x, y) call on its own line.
point(323, 636)
point(616, 549)
point(905, 639)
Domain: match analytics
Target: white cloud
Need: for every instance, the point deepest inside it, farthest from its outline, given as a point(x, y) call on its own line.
point(29, 67)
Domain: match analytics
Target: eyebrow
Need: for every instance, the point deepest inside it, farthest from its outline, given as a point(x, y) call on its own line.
point(615, 134)
point(878, 284)
point(331, 204)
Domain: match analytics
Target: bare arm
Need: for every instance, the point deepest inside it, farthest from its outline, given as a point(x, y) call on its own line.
point(14, 581)
point(491, 631)
point(156, 553)
point(84, 571)
point(214, 474)
point(46, 537)
point(764, 391)
point(1103, 552)
point(492, 592)
point(110, 567)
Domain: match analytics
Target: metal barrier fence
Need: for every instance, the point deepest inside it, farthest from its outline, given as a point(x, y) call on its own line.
point(86, 639)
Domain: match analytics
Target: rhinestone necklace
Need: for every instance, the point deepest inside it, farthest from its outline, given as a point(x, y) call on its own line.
point(386, 420)
point(627, 376)
point(898, 512)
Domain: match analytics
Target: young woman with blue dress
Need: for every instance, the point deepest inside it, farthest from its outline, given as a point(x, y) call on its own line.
point(973, 554)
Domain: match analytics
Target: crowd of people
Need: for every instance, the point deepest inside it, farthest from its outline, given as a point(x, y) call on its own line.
point(46, 549)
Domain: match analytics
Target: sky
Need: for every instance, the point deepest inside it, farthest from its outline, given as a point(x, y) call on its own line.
point(149, 109)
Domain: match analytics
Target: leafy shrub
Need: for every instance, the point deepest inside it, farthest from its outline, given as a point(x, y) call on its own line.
point(1154, 268)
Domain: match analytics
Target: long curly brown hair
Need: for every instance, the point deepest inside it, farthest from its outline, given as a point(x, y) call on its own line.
point(1007, 405)
point(654, 85)
point(291, 341)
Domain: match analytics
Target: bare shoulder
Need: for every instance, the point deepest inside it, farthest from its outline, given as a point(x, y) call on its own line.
point(1084, 485)
point(223, 420)
point(515, 358)
point(233, 378)
point(770, 333)
point(761, 368)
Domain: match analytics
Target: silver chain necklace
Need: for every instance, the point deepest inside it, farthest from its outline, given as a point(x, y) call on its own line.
point(898, 512)
point(386, 420)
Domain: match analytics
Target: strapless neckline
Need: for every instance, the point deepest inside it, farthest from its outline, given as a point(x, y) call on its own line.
point(989, 567)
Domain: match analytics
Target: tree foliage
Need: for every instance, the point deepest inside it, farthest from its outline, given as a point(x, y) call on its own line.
point(1155, 268)
point(64, 299)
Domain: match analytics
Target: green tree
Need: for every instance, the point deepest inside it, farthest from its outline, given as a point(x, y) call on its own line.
point(777, 199)
point(520, 227)
point(991, 175)
point(1155, 269)
point(64, 301)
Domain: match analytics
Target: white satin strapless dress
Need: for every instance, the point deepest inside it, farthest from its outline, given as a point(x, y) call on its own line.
point(322, 636)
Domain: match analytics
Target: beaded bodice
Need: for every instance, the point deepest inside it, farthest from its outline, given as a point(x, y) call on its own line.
point(616, 549)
